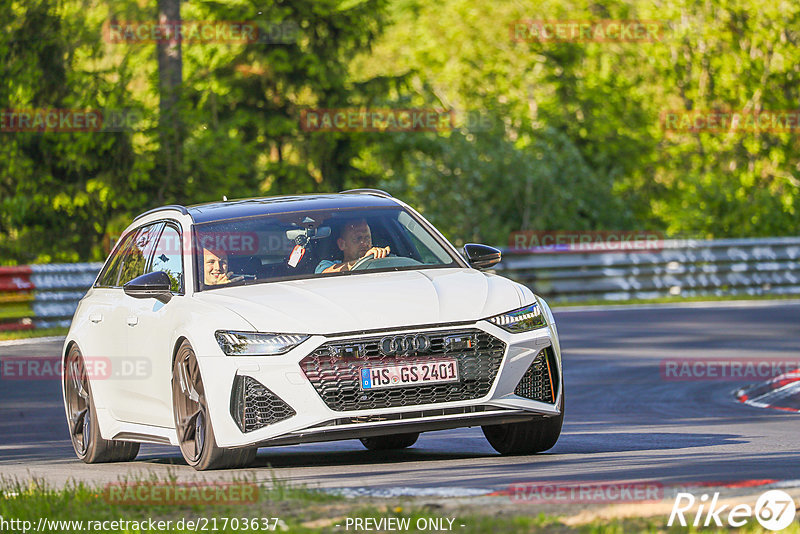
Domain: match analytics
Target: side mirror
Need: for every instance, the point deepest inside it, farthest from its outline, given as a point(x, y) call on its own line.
point(155, 285)
point(481, 256)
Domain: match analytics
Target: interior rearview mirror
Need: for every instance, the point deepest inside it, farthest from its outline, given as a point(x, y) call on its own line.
point(310, 233)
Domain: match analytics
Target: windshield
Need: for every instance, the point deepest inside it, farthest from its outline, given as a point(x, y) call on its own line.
point(312, 244)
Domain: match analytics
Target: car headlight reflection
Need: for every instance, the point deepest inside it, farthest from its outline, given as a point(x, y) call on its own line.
point(523, 319)
point(256, 343)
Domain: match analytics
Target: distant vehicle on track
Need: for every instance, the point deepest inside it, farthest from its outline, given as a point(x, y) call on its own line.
point(230, 326)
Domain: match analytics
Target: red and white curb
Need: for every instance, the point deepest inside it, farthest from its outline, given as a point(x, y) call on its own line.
point(779, 393)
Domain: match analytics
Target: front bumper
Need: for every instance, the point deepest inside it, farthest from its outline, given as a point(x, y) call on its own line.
point(312, 392)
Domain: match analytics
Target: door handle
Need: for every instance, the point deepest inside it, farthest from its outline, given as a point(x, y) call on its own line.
point(95, 317)
point(133, 321)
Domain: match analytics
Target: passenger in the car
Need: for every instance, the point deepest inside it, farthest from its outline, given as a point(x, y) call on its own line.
point(215, 267)
point(355, 242)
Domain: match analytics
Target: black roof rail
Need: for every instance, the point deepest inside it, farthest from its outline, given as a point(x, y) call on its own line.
point(177, 207)
point(378, 192)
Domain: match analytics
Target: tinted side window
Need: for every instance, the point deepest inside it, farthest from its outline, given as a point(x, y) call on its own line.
point(168, 257)
point(138, 253)
point(111, 272)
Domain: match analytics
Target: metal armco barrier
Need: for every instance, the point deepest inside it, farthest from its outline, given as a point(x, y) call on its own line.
point(679, 268)
point(43, 296)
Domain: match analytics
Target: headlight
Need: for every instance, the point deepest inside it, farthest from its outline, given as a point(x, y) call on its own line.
point(256, 343)
point(522, 320)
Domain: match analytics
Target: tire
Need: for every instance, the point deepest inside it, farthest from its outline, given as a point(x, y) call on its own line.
point(84, 430)
point(195, 432)
point(529, 437)
point(386, 443)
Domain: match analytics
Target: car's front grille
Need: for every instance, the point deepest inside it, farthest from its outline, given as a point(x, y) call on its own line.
point(253, 406)
point(334, 369)
point(540, 381)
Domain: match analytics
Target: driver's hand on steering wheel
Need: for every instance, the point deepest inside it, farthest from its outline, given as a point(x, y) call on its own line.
point(377, 252)
point(373, 253)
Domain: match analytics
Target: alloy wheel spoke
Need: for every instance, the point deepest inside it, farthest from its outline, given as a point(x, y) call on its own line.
point(84, 389)
point(199, 434)
point(77, 376)
point(187, 426)
point(76, 424)
point(86, 436)
point(196, 382)
point(187, 385)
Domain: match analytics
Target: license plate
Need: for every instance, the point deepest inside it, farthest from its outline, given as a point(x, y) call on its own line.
point(409, 374)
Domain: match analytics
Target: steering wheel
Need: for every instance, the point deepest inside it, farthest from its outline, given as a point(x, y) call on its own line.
point(241, 278)
point(369, 262)
point(362, 261)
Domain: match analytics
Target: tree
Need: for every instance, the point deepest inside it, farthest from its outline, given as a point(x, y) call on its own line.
point(170, 77)
point(59, 190)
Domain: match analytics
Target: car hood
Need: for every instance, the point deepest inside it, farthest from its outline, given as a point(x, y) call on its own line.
point(370, 301)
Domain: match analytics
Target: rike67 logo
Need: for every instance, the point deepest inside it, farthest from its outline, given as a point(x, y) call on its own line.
point(774, 510)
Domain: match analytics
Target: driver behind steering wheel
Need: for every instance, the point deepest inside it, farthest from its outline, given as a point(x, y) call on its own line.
point(355, 242)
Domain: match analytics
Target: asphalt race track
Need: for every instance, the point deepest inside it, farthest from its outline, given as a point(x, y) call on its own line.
point(623, 420)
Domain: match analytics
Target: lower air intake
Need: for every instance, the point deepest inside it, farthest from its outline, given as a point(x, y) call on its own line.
point(540, 381)
point(253, 406)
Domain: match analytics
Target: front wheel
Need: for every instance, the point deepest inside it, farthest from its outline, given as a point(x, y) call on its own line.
point(84, 430)
point(528, 437)
point(195, 433)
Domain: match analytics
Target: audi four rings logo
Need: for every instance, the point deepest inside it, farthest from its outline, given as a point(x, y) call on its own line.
point(405, 345)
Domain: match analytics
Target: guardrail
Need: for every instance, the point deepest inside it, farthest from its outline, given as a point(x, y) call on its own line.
point(42, 296)
point(680, 268)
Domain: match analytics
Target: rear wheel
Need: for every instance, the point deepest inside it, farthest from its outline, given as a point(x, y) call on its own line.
point(84, 431)
point(526, 438)
point(195, 433)
point(385, 443)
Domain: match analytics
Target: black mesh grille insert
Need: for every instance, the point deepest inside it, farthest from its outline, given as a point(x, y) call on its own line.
point(333, 370)
point(253, 406)
point(540, 381)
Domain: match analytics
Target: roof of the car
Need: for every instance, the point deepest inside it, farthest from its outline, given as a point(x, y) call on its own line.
point(232, 209)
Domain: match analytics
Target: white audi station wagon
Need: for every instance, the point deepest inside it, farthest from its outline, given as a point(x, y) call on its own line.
point(229, 326)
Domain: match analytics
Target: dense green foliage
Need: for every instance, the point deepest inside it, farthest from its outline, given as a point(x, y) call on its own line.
point(548, 135)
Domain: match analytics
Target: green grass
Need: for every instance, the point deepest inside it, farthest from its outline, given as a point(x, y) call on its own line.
point(293, 508)
point(32, 500)
point(25, 334)
point(16, 310)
